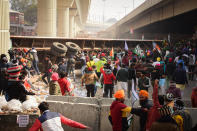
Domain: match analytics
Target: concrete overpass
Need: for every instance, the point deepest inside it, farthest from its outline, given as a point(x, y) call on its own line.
point(4, 26)
point(156, 19)
point(61, 18)
point(56, 18)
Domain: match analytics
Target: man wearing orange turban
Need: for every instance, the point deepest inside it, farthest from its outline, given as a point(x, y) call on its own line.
point(142, 112)
point(118, 112)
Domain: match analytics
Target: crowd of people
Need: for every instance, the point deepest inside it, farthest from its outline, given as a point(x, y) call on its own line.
point(167, 70)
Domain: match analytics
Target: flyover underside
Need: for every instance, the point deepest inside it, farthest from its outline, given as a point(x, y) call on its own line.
point(181, 26)
point(44, 43)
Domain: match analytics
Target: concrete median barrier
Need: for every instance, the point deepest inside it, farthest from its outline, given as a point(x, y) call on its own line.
point(193, 113)
point(8, 122)
point(94, 112)
point(87, 114)
point(73, 99)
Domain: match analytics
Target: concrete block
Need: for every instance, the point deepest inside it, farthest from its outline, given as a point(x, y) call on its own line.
point(108, 101)
point(8, 122)
point(105, 125)
point(87, 114)
point(193, 113)
point(73, 99)
point(187, 103)
point(135, 125)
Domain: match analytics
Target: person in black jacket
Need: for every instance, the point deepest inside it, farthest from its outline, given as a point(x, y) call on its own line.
point(122, 78)
point(180, 78)
point(170, 68)
point(3, 68)
point(131, 76)
point(142, 112)
point(47, 70)
point(17, 89)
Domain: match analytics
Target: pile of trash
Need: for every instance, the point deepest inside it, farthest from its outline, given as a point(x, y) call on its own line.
point(15, 106)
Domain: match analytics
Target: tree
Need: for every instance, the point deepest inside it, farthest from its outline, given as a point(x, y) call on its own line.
point(28, 7)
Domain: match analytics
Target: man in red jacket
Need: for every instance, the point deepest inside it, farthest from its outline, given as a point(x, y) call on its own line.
point(108, 77)
point(64, 84)
point(51, 121)
point(153, 113)
point(118, 112)
point(194, 97)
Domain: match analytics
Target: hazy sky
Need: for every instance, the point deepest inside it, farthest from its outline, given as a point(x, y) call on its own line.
point(112, 9)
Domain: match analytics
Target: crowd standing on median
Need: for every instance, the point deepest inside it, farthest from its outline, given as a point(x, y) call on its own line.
point(166, 69)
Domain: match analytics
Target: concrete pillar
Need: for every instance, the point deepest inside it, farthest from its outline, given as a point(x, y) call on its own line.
point(63, 17)
point(77, 23)
point(4, 27)
point(72, 15)
point(47, 18)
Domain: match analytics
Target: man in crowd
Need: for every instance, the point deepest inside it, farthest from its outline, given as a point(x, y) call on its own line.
point(35, 59)
point(71, 66)
point(51, 121)
point(180, 77)
point(142, 112)
point(118, 111)
point(194, 97)
point(89, 78)
point(47, 70)
point(3, 68)
point(109, 79)
point(122, 78)
point(143, 82)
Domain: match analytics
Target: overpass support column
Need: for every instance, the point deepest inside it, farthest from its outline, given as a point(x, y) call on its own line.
point(47, 18)
point(63, 17)
point(73, 13)
point(77, 24)
point(4, 27)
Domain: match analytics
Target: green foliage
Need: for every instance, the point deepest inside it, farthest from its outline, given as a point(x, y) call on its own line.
point(28, 7)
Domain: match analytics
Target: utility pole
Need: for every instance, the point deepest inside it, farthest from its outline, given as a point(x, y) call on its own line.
point(104, 11)
point(125, 10)
point(133, 4)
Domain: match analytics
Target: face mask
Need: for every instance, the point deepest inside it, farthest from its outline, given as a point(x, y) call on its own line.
point(171, 109)
point(143, 102)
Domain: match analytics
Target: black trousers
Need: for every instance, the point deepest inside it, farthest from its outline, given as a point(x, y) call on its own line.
point(90, 90)
point(108, 89)
point(191, 69)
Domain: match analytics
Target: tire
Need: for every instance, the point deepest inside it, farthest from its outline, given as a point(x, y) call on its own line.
point(58, 47)
point(55, 53)
point(72, 46)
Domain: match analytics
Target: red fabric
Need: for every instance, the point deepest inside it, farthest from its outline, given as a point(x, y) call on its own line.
point(125, 60)
point(102, 54)
point(72, 123)
point(194, 98)
point(153, 113)
point(117, 62)
point(108, 78)
point(36, 126)
point(14, 72)
point(116, 115)
point(27, 85)
point(64, 85)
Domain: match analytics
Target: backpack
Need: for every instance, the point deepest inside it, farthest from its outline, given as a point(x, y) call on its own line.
point(187, 120)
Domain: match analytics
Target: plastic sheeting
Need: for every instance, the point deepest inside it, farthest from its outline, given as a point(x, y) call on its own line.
point(14, 105)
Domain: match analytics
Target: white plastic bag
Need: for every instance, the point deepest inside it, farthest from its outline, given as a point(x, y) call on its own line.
point(3, 102)
point(29, 105)
point(14, 105)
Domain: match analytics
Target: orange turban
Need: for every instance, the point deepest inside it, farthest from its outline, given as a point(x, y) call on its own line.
point(144, 93)
point(119, 94)
point(23, 60)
